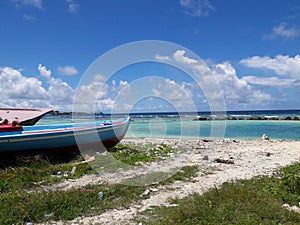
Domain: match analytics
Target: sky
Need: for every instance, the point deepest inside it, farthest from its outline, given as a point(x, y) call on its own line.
point(170, 55)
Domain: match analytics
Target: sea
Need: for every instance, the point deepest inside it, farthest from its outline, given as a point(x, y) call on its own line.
point(276, 124)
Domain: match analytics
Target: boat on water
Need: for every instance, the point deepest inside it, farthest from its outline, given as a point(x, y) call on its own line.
point(24, 116)
point(16, 138)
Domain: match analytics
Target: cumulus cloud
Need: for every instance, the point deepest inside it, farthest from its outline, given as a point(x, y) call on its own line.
point(28, 17)
point(281, 64)
point(238, 91)
point(197, 7)
point(179, 56)
point(147, 93)
point(60, 93)
point(18, 90)
point(92, 96)
point(67, 70)
point(162, 58)
point(220, 81)
point(43, 71)
point(268, 81)
point(282, 30)
point(73, 6)
point(34, 3)
point(26, 91)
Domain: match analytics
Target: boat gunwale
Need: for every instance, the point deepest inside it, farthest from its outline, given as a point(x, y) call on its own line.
point(70, 131)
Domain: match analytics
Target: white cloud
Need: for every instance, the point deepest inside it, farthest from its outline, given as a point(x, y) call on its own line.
point(92, 96)
point(28, 17)
point(197, 7)
point(43, 71)
point(282, 30)
point(18, 90)
point(73, 6)
point(162, 58)
point(67, 70)
point(237, 91)
point(178, 93)
point(156, 92)
point(220, 82)
point(281, 65)
point(23, 91)
point(34, 3)
point(268, 81)
point(60, 92)
point(179, 56)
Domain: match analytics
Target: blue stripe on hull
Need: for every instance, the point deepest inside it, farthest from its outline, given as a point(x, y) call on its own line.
point(50, 139)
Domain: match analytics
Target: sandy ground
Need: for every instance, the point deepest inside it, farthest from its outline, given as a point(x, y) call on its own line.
point(249, 157)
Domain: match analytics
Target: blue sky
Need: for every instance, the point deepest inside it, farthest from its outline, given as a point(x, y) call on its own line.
point(250, 48)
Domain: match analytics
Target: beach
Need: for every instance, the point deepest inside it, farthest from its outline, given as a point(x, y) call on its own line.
point(219, 160)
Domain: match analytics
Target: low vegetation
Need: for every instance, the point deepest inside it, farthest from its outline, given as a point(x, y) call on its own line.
point(255, 201)
point(132, 154)
point(22, 199)
point(31, 172)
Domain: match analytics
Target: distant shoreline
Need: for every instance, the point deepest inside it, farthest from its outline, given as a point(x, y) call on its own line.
point(228, 112)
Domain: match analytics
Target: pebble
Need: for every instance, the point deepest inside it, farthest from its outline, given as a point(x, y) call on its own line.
point(205, 157)
point(73, 170)
point(146, 192)
point(293, 208)
point(100, 195)
point(154, 189)
point(48, 215)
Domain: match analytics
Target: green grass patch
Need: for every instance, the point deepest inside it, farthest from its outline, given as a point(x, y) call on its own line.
point(125, 156)
point(22, 207)
point(255, 201)
point(34, 171)
point(131, 154)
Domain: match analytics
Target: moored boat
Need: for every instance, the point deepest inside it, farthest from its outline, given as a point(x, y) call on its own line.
point(24, 116)
point(62, 136)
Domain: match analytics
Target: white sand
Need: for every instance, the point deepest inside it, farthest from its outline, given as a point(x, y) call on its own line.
point(250, 157)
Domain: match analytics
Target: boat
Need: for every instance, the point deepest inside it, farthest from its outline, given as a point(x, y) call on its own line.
point(16, 138)
point(24, 116)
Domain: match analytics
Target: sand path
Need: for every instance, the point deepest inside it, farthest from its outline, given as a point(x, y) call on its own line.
point(250, 157)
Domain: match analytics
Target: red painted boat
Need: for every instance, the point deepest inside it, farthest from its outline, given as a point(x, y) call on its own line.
point(24, 116)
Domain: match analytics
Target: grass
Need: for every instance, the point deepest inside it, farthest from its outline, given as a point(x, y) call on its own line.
point(31, 172)
point(125, 156)
point(132, 154)
point(255, 201)
point(35, 170)
point(22, 207)
point(21, 204)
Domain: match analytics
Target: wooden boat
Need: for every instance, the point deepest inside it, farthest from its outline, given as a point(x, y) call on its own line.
point(62, 136)
point(24, 116)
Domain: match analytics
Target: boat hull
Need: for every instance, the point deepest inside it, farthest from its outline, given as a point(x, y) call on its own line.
point(65, 136)
point(25, 116)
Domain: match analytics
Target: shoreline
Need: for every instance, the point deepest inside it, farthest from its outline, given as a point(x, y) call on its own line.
point(208, 138)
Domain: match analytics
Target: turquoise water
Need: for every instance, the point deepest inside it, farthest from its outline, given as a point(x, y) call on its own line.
point(172, 125)
point(239, 129)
